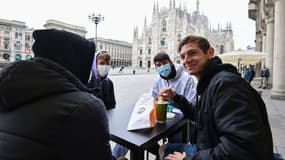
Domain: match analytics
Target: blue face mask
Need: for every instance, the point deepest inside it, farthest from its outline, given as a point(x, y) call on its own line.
point(164, 70)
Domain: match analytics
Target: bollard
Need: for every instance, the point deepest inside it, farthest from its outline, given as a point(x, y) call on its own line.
point(134, 71)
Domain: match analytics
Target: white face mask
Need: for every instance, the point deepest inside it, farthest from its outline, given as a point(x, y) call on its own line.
point(103, 70)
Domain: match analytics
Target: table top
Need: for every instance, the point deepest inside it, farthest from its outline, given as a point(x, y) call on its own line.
point(143, 138)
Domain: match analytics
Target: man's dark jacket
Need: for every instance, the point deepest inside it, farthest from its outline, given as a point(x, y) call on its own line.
point(46, 112)
point(230, 117)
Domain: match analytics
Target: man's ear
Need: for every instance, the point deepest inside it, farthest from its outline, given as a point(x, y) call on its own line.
point(211, 52)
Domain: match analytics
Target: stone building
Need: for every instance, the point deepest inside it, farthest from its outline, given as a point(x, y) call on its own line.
point(55, 24)
point(120, 51)
point(15, 40)
point(171, 24)
point(270, 38)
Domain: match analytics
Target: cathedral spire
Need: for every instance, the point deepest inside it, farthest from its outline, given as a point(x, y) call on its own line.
point(170, 4)
point(135, 32)
point(157, 10)
point(174, 4)
point(230, 25)
point(153, 12)
point(197, 6)
point(145, 21)
point(219, 27)
point(185, 6)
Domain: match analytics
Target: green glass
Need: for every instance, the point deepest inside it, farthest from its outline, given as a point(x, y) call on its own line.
point(161, 108)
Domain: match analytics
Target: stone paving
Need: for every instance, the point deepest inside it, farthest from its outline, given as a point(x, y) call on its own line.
point(129, 87)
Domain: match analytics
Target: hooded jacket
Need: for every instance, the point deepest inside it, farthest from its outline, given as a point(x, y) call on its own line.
point(101, 87)
point(45, 110)
point(230, 117)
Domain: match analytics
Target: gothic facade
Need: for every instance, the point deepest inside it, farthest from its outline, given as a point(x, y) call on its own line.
point(169, 26)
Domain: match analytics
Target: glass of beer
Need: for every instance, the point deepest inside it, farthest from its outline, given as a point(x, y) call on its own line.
point(161, 109)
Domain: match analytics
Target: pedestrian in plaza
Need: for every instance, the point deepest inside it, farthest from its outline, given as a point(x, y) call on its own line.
point(249, 73)
point(100, 85)
point(121, 69)
point(264, 74)
point(230, 117)
point(46, 111)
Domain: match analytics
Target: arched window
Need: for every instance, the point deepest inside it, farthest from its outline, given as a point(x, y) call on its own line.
point(140, 51)
point(162, 42)
point(163, 24)
point(179, 37)
point(148, 63)
point(140, 64)
point(149, 40)
point(222, 49)
point(149, 51)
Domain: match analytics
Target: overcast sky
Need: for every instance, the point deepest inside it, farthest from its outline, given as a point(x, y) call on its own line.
point(121, 16)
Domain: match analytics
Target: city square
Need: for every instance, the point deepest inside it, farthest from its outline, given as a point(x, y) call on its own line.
point(251, 39)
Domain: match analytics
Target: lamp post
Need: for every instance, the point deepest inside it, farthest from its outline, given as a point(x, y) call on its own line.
point(96, 19)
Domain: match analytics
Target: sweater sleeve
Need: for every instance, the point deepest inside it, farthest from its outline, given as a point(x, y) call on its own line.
point(155, 89)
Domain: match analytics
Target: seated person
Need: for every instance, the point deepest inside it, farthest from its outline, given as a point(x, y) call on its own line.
point(100, 85)
point(231, 120)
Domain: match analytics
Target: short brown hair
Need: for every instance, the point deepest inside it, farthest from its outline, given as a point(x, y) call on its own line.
point(104, 55)
point(203, 43)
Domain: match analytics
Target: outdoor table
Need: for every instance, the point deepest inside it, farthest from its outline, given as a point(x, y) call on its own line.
point(140, 140)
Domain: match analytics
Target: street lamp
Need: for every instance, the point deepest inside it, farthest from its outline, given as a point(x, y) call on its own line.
point(96, 19)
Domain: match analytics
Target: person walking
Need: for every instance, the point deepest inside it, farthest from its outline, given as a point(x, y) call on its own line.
point(231, 120)
point(264, 74)
point(46, 111)
point(249, 73)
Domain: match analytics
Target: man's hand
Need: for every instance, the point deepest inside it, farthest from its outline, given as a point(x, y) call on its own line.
point(167, 93)
point(175, 156)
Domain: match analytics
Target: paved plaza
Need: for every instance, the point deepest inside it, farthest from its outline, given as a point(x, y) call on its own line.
point(129, 87)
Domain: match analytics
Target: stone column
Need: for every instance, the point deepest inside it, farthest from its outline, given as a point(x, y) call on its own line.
point(264, 44)
point(270, 47)
point(278, 89)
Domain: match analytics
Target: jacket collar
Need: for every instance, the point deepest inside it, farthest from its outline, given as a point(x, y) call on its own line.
point(213, 66)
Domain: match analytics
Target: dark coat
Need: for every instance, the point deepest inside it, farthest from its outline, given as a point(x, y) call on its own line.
point(264, 72)
point(47, 114)
point(249, 74)
point(103, 89)
point(230, 117)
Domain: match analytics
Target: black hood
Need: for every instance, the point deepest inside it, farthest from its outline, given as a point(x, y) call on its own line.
point(71, 51)
point(28, 81)
point(214, 66)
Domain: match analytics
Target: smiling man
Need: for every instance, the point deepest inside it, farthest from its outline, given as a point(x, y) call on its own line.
point(230, 116)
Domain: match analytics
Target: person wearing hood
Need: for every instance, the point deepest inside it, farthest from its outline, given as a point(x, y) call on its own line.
point(231, 120)
point(100, 85)
point(46, 111)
